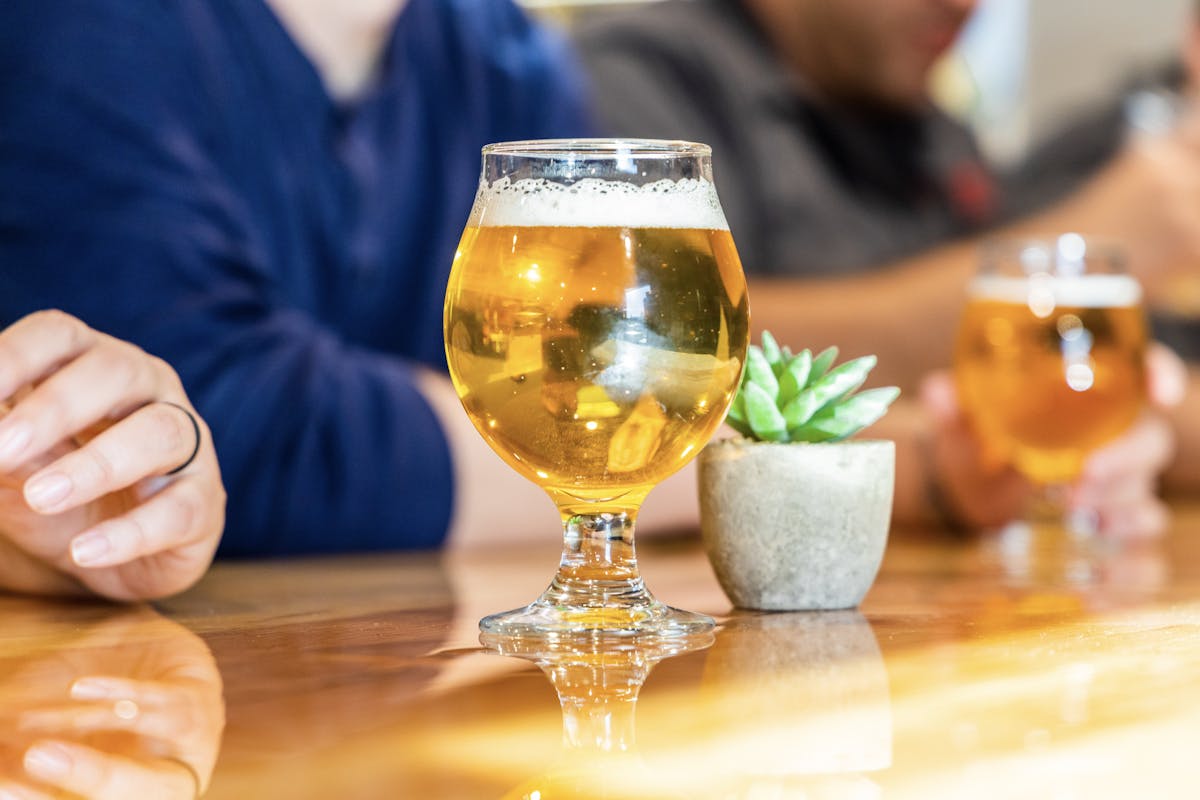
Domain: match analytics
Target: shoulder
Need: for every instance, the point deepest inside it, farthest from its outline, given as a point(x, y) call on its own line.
point(680, 28)
point(34, 30)
point(688, 48)
point(493, 34)
point(499, 64)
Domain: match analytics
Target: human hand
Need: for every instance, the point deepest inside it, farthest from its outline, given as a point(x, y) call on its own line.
point(88, 496)
point(105, 704)
point(1119, 481)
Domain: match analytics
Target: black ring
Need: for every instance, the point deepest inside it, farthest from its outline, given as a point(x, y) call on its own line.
point(195, 428)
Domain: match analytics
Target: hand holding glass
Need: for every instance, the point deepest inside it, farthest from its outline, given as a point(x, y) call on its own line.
point(1050, 357)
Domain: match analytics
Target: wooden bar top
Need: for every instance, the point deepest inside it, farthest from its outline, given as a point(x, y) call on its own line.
point(994, 668)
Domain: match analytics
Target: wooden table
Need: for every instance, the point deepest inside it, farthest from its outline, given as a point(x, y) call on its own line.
point(974, 670)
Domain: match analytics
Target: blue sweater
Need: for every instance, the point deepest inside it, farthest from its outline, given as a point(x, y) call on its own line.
point(174, 173)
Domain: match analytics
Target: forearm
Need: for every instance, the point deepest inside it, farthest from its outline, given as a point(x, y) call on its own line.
point(492, 503)
point(905, 313)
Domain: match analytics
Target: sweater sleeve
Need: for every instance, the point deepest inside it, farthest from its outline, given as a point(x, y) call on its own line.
point(112, 211)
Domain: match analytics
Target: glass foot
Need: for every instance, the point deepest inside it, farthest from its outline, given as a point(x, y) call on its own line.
point(597, 590)
point(543, 619)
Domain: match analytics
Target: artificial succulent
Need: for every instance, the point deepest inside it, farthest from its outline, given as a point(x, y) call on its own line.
point(804, 398)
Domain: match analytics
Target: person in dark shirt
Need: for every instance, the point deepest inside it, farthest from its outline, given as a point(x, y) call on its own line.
point(268, 195)
point(835, 167)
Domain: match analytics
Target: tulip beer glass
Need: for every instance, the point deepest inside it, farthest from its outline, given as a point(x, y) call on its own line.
point(596, 326)
point(1049, 356)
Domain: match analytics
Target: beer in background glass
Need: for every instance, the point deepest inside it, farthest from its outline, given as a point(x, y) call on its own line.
point(596, 325)
point(1049, 359)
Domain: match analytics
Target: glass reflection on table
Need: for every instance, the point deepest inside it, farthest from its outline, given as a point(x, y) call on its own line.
point(132, 701)
point(791, 705)
point(598, 680)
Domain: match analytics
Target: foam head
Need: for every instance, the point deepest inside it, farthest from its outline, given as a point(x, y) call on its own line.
point(1084, 291)
point(594, 203)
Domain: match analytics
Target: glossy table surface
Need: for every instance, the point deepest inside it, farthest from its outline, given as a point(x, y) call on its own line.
point(993, 668)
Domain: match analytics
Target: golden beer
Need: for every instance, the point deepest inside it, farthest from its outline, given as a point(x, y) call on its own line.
point(596, 325)
point(596, 360)
point(1049, 369)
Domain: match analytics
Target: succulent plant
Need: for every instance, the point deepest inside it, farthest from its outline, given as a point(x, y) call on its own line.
point(804, 398)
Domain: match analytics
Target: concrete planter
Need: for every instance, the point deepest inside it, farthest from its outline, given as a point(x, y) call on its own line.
point(796, 526)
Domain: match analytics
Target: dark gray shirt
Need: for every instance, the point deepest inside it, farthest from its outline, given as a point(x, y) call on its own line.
point(808, 189)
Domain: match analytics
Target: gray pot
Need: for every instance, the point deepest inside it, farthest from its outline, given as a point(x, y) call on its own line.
point(796, 526)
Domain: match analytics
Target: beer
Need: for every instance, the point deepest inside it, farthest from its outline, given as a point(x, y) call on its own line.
point(1050, 368)
point(596, 336)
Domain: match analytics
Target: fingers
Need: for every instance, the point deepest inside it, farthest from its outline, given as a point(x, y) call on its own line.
point(1166, 376)
point(100, 776)
point(34, 346)
point(1125, 508)
point(178, 515)
point(938, 395)
point(1147, 519)
point(151, 441)
point(165, 712)
point(1119, 481)
point(17, 791)
point(1144, 451)
point(103, 381)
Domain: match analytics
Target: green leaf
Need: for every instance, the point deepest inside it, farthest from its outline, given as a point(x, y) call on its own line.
point(761, 374)
point(806, 433)
point(823, 362)
point(794, 376)
point(799, 410)
point(821, 392)
point(848, 418)
point(842, 380)
point(763, 415)
point(772, 353)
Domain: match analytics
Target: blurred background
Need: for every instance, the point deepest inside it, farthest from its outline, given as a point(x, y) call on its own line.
point(1015, 75)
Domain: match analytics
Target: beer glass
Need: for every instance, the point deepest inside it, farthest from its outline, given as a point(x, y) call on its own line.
point(1049, 359)
point(596, 326)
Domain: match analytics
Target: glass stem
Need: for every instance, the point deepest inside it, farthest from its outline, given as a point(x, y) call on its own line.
point(605, 724)
point(599, 566)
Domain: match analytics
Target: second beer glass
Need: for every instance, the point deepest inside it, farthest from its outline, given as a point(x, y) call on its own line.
point(1049, 359)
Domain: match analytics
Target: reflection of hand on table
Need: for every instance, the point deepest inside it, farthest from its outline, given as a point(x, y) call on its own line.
point(105, 704)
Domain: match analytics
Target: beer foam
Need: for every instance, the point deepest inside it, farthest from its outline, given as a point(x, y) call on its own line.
point(595, 203)
point(1086, 291)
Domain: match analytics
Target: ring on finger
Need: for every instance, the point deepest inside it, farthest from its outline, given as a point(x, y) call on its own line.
point(195, 429)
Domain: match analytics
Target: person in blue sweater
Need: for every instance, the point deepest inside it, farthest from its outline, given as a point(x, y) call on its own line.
point(268, 195)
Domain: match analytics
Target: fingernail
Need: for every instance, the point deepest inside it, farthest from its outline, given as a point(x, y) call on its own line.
point(48, 761)
point(14, 440)
point(90, 548)
point(47, 491)
point(89, 689)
